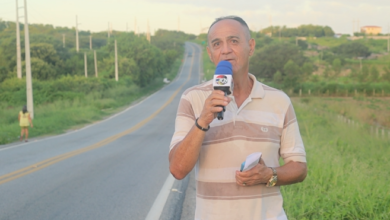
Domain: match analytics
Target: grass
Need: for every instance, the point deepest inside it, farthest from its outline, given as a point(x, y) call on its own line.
point(328, 41)
point(347, 169)
point(208, 66)
point(366, 110)
point(62, 115)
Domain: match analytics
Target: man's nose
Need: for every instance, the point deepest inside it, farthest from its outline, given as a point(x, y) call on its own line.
point(226, 48)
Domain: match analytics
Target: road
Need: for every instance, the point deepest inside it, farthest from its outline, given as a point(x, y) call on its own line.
point(112, 169)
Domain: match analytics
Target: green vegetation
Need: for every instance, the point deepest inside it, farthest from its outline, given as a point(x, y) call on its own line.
point(301, 31)
point(63, 110)
point(63, 96)
point(271, 58)
point(324, 66)
point(208, 66)
point(347, 176)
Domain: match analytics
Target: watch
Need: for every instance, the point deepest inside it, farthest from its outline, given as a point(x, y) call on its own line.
point(274, 178)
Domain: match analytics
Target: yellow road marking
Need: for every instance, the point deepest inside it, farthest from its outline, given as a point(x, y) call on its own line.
point(38, 166)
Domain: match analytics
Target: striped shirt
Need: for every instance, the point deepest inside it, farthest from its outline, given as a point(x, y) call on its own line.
point(266, 123)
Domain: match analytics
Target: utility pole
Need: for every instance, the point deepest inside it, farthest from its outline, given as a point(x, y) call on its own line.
point(108, 30)
point(280, 33)
point(85, 65)
point(148, 33)
point(135, 26)
point(29, 89)
point(388, 38)
point(63, 40)
point(94, 57)
point(200, 27)
point(116, 63)
point(90, 42)
point(77, 35)
point(358, 25)
point(18, 53)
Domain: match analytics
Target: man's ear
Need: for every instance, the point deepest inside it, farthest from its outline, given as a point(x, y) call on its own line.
point(209, 53)
point(252, 46)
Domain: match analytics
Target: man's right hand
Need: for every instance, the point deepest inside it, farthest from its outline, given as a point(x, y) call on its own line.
point(183, 157)
point(212, 106)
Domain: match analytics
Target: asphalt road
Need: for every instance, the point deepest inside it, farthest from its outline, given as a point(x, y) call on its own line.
point(112, 169)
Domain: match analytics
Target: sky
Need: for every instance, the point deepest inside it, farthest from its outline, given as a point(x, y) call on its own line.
point(194, 16)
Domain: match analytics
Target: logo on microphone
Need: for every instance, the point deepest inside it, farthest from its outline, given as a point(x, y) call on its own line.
point(221, 80)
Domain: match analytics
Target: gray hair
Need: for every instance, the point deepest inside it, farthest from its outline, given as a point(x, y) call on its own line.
point(231, 17)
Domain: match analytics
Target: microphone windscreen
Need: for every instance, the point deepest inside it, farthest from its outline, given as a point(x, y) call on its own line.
point(224, 68)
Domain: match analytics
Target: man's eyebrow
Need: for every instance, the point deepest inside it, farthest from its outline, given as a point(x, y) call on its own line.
point(216, 39)
point(229, 37)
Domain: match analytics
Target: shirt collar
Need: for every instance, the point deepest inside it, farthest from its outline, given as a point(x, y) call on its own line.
point(257, 88)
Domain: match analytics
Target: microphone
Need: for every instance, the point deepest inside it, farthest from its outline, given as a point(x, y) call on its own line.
point(223, 80)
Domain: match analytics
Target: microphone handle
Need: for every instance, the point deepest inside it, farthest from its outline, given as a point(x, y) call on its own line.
point(220, 114)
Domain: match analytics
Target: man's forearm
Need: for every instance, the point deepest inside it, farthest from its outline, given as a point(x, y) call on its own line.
point(291, 172)
point(183, 156)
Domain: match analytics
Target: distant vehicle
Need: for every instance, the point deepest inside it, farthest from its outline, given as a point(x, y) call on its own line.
point(189, 55)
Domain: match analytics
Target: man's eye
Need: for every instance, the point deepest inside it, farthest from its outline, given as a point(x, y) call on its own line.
point(216, 44)
point(235, 41)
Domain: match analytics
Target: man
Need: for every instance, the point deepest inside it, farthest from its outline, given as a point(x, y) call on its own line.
point(258, 118)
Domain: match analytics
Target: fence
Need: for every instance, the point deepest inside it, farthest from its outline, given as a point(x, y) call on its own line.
point(338, 93)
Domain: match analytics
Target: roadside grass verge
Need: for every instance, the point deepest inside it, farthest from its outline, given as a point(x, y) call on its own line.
point(61, 115)
point(373, 111)
point(348, 171)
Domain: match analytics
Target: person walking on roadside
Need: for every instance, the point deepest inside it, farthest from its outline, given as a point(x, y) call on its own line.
point(24, 121)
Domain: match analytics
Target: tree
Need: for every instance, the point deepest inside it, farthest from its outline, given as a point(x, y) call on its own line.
point(307, 70)
point(328, 73)
point(292, 74)
point(352, 49)
point(3, 73)
point(40, 69)
point(328, 32)
point(45, 52)
point(278, 78)
point(272, 58)
point(302, 31)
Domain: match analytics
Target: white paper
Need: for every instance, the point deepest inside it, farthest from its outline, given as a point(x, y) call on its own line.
point(251, 161)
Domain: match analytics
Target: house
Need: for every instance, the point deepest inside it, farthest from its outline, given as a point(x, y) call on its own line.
point(371, 30)
point(337, 35)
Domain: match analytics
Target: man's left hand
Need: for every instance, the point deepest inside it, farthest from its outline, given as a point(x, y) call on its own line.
point(260, 174)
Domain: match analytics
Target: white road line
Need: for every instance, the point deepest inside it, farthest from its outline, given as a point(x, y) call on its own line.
point(159, 203)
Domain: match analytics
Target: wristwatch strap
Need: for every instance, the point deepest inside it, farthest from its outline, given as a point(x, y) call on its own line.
point(274, 178)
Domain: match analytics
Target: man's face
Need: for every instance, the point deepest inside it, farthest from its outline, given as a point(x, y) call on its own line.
point(228, 40)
